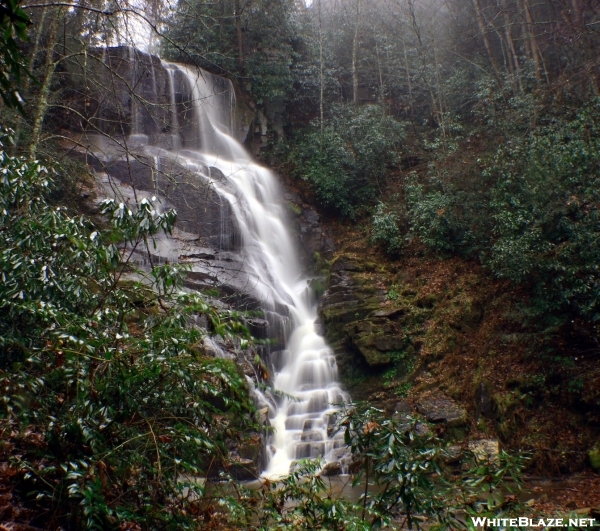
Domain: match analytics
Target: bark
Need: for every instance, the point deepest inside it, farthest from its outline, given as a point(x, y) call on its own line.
point(381, 83)
point(533, 45)
point(511, 46)
point(321, 81)
point(240, 37)
point(486, 40)
point(410, 96)
point(441, 118)
point(355, 55)
point(48, 73)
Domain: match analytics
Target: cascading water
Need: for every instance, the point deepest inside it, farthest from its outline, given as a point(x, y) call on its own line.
point(305, 372)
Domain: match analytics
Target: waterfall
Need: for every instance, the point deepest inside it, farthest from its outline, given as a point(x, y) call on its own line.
point(175, 139)
point(305, 371)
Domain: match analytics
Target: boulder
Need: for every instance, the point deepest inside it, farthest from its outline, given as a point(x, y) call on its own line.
point(452, 454)
point(485, 449)
point(402, 406)
point(443, 410)
point(334, 468)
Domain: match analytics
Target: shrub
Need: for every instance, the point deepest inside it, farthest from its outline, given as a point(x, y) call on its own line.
point(435, 218)
point(545, 211)
point(348, 161)
point(112, 409)
point(385, 231)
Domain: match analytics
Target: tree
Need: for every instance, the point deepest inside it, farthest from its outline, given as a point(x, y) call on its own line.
point(14, 22)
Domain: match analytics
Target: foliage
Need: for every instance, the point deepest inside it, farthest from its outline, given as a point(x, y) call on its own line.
point(385, 230)
point(112, 405)
point(347, 162)
point(260, 55)
point(303, 501)
point(405, 463)
point(13, 25)
point(530, 211)
point(434, 215)
point(545, 212)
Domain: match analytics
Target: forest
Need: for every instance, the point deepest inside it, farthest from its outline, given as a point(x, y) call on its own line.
point(299, 265)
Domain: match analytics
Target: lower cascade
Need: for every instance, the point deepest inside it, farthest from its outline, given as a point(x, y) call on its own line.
point(200, 110)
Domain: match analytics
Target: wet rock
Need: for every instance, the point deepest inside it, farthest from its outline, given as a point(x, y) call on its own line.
point(485, 449)
point(311, 436)
point(309, 424)
point(312, 235)
point(332, 424)
point(243, 469)
point(311, 216)
point(312, 449)
point(259, 328)
point(331, 469)
point(355, 464)
point(443, 410)
point(292, 197)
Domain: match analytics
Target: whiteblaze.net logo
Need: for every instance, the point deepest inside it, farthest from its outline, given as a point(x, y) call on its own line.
point(545, 523)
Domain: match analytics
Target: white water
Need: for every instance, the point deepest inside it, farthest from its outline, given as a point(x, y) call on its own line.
point(306, 369)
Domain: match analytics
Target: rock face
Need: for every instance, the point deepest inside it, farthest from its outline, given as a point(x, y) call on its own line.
point(352, 313)
point(200, 209)
point(314, 239)
point(129, 92)
point(376, 339)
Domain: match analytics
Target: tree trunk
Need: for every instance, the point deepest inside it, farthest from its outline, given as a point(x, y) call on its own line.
point(321, 80)
point(440, 91)
point(486, 41)
point(407, 69)
point(240, 37)
point(511, 46)
point(48, 73)
point(533, 45)
point(355, 55)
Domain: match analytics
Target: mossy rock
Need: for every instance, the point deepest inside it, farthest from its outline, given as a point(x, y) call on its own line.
point(376, 340)
point(344, 314)
point(294, 208)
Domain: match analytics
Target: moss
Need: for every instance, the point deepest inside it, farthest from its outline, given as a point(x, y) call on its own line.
point(594, 457)
point(505, 402)
point(295, 208)
point(345, 314)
